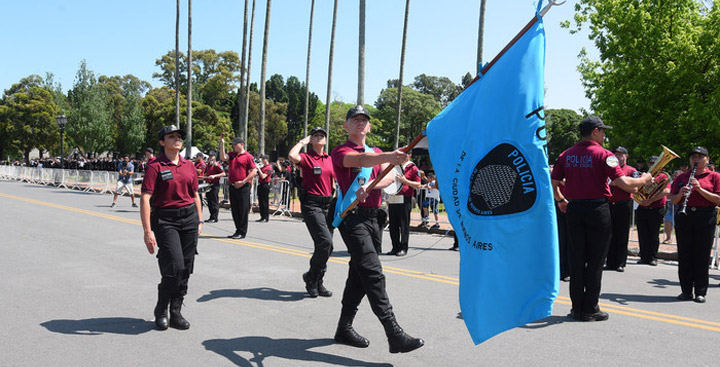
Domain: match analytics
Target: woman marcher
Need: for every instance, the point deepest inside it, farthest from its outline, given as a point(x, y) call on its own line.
point(695, 229)
point(318, 177)
point(172, 224)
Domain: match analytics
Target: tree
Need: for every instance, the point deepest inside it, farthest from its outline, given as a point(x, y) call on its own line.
point(246, 92)
point(329, 83)
point(275, 124)
point(306, 105)
point(27, 113)
point(263, 69)
point(89, 123)
point(562, 131)
point(361, 54)
point(417, 110)
point(658, 77)
point(442, 88)
point(131, 126)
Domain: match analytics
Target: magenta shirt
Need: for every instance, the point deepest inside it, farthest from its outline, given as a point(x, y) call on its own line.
point(709, 180)
point(346, 175)
point(171, 186)
point(585, 168)
point(240, 166)
point(317, 173)
point(618, 194)
point(267, 170)
point(412, 173)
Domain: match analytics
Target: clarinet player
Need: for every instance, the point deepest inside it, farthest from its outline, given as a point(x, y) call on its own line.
point(698, 191)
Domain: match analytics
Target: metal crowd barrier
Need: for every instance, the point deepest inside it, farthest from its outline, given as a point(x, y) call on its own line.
point(281, 197)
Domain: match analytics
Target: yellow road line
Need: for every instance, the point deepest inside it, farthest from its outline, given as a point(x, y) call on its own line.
point(617, 309)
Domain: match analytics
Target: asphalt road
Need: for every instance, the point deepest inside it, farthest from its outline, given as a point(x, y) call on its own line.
point(77, 288)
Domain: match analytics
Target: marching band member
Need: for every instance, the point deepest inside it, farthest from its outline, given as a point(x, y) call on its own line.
point(356, 165)
point(621, 208)
point(586, 167)
point(263, 190)
point(241, 170)
point(399, 212)
point(213, 173)
point(318, 176)
point(172, 224)
point(695, 229)
point(648, 218)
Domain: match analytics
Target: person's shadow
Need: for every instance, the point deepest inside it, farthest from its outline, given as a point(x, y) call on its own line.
point(100, 326)
point(293, 349)
point(264, 293)
point(542, 323)
point(626, 299)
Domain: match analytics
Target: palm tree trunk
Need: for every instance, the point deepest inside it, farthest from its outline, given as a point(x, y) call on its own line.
point(481, 35)
point(188, 140)
point(400, 79)
point(329, 84)
point(263, 68)
point(247, 82)
point(177, 65)
point(240, 95)
point(361, 56)
point(307, 71)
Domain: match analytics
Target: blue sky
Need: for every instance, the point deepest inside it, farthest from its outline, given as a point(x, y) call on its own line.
point(126, 37)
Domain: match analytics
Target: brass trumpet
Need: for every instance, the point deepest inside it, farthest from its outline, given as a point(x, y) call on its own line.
point(649, 190)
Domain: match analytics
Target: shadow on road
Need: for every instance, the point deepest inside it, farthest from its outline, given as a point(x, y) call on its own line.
point(542, 323)
point(664, 283)
point(293, 349)
point(625, 299)
point(100, 326)
point(265, 294)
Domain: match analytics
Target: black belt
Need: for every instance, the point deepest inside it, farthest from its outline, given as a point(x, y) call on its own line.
point(702, 209)
point(620, 202)
point(365, 212)
point(589, 201)
point(174, 212)
point(318, 198)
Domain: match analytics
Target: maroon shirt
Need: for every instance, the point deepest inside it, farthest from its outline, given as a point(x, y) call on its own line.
point(346, 175)
point(317, 173)
point(585, 168)
point(171, 186)
point(619, 194)
point(709, 180)
point(240, 166)
point(412, 173)
point(200, 166)
point(659, 203)
point(213, 169)
point(268, 170)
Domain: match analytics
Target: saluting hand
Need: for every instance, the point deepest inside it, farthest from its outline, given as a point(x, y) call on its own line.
point(305, 140)
point(150, 242)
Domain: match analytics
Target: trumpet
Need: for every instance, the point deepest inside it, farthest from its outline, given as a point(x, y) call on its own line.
point(687, 194)
point(649, 190)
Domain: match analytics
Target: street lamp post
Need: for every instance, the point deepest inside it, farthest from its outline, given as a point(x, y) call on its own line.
point(61, 121)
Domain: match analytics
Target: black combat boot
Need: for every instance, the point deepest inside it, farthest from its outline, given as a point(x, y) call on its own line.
point(176, 318)
point(400, 342)
point(161, 310)
point(345, 333)
point(311, 283)
point(322, 291)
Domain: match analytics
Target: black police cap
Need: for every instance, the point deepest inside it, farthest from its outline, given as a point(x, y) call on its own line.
point(700, 150)
point(592, 122)
point(357, 110)
point(620, 149)
point(318, 129)
point(170, 129)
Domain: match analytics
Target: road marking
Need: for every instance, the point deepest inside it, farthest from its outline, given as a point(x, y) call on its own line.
point(611, 308)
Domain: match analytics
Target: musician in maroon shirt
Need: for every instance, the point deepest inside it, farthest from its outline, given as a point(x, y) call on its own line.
point(172, 224)
point(213, 173)
point(649, 217)
point(241, 170)
point(621, 208)
point(401, 206)
point(318, 177)
point(695, 228)
point(263, 190)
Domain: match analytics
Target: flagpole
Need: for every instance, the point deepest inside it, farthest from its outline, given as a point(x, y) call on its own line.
point(384, 173)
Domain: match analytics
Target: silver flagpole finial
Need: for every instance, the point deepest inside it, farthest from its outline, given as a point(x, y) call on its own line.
point(550, 4)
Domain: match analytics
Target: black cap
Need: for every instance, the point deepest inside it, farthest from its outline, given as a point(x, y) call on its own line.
point(700, 150)
point(620, 149)
point(264, 156)
point(199, 154)
point(149, 150)
point(653, 158)
point(318, 129)
point(212, 153)
point(238, 140)
point(357, 110)
point(592, 122)
point(170, 129)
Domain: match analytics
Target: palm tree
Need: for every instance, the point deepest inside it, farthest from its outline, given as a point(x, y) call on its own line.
point(307, 70)
point(177, 64)
point(361, 56)
point(188, 141)
point(400, 79)
point(240, 95)
point(329, 84)
point(481, 31)
point(263, 68)
point(247, 82)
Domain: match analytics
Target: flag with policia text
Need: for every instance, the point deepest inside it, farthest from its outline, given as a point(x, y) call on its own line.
point(488, 148)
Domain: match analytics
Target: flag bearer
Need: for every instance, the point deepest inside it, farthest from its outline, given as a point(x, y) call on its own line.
point(172, 224)
point(586, 167)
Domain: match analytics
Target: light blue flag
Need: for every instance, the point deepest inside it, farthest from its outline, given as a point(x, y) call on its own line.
point(488, 148)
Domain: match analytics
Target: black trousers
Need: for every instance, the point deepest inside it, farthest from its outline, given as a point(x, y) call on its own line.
point(362, 236)
point(212, 200)
point(648, 221)
point(589, 235)
point(263, 192)
point(621, 217)
point(176, 233)
point(563, 243)
point(695, 232)
point(399, 217)
point(240, 207)
point(314, 211)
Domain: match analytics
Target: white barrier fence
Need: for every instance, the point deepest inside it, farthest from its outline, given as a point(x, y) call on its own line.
point(89, 181)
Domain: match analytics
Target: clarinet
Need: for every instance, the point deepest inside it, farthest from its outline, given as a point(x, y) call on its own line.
point(687, 195)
